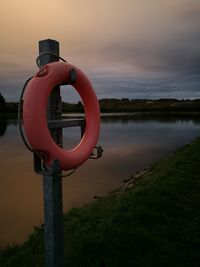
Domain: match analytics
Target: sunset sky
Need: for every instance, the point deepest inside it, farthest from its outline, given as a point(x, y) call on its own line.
point(128, 48)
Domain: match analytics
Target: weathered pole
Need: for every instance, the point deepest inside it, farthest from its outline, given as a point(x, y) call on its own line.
point(52, 184)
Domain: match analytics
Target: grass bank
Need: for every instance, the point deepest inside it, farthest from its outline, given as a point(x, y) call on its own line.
point(156, 222)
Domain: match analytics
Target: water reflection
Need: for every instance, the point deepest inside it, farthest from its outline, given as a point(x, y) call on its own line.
point(163, 118)
point(130, 145)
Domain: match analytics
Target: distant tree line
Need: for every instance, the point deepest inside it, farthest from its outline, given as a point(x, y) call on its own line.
point(139, 105)
point(71, 107)
point(149, 105)
point(122, 105)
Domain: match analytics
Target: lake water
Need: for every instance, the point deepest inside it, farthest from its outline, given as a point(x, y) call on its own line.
point(130, 144)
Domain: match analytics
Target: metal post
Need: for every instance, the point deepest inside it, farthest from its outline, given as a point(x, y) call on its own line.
point(52, 184)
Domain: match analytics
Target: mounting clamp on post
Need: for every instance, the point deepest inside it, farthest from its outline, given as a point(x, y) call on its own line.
point(41, 168)
point(99, 152)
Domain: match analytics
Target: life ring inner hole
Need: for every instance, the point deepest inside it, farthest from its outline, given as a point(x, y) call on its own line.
point(72, 109)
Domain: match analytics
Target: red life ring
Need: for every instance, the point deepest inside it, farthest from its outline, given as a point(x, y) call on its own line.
point(34, 115)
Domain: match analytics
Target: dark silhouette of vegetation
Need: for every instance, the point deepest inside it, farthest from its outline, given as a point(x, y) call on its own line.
point(70, 107)
point(3, 125)
point(138, 105)
point(11, 107)
point(123, 105)
point(2, 104)
point(149, 105)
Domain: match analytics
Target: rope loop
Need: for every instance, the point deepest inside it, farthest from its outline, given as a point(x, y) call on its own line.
point(47, 53)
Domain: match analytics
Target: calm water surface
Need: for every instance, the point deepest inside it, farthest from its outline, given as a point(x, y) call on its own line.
point(130, 145)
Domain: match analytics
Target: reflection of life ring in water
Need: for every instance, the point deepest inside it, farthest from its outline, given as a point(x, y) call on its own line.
point(3, 126)
point(34, 114)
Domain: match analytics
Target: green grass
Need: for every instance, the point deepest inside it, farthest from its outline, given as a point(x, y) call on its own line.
point(154, 223)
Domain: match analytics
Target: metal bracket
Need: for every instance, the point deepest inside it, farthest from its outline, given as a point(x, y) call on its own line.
point(41, 168)
point(99, 152)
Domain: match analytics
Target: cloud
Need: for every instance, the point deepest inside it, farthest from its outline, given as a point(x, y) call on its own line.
point(128, 48)
point(176, 86)
point(170, 43)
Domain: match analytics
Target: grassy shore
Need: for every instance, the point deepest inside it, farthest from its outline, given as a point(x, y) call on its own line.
point(154, 222)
